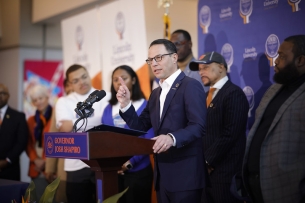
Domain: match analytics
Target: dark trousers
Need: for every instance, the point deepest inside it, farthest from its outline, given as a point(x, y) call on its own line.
point(140, 186)
point(218, 193)
point(12, 172)
point(164, 196)
point(255, 188)
point(81, 186)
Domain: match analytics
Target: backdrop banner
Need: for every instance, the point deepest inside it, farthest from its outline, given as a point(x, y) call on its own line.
point(81, 44)
point(106, 37)
point(248, 34)
point(123, 40)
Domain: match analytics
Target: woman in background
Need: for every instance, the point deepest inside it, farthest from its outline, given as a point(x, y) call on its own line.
point(38, 125)
point(136, 173)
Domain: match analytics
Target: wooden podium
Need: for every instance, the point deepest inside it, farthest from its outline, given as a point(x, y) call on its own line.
point(104, 151)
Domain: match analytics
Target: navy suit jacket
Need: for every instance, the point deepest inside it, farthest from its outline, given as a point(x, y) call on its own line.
point(225, 140)
point(182, 167)
point(13, 140)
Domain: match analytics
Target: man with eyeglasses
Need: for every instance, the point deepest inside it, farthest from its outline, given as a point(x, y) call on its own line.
point(13, 137)
point(176, 110)
point(80, 179)
point(183, 42)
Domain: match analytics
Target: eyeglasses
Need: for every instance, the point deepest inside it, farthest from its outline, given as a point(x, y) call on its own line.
point(157, 58)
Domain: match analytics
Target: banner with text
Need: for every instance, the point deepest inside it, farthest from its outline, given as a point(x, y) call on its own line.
point(81, 44)
point(123, 40)
point(248, 34)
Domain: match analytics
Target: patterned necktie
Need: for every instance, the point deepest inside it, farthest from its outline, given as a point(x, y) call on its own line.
point(210, 96)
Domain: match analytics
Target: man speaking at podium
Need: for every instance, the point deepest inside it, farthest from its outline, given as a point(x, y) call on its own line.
point(80, 178)
point(176, 110)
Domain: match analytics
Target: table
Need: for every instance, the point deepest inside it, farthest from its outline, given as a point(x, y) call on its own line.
point(12, 190)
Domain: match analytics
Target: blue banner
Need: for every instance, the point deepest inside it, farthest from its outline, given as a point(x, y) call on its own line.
point(248, 34)
point(67, 145)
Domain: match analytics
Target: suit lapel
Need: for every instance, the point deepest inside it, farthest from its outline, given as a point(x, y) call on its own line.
point(171, 94)
point(158, 90)
point(285, 105)
point(6, 116)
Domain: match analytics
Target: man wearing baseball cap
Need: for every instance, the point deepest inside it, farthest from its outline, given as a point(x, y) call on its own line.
point(227, 113)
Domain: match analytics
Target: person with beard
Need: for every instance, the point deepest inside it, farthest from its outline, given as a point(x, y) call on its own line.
point(183, 42)
point(274, 161)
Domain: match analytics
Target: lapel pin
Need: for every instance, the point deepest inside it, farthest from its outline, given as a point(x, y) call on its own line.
point(177, 85)
point(211, 105)
point(7, 116)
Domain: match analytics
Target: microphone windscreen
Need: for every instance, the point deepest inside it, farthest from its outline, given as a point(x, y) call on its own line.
point(94, 93)
point(100, 95)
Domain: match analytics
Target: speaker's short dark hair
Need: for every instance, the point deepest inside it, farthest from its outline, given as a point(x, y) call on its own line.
point(169, 46)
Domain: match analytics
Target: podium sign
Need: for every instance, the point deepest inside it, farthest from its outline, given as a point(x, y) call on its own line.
point(63, 145)
point(104, 148)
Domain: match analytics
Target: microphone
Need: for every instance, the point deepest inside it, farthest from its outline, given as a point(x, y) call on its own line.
point(93, 97)
point(84, 109)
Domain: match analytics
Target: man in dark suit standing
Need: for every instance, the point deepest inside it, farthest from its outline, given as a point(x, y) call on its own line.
point(274, 162)
point(13, 137)
point(227, 113)
point(176, 111)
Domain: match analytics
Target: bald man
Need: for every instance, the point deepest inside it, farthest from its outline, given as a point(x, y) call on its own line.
point(13, 137)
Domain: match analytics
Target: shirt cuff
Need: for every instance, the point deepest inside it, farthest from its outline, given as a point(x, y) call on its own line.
point(123, 110)
point(173, 137)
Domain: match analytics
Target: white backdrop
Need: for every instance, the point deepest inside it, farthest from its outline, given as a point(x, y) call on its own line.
point(106, 37)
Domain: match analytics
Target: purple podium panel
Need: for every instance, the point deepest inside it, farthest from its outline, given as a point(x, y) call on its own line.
point(67, 145)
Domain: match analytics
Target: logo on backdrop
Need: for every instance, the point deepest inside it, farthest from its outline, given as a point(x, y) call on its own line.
point(205, 18)
point(79, 37)
point(270, 3)
point(225, 13)
point(120, 24)
point(250, 97)
point(294, 4)
point(227, 53)
point(271, 46)
point(80, 57)
point(245, 9)
point(50, 145)
point(122, 50)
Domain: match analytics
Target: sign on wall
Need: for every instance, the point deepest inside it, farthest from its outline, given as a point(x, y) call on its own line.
point(248, 34)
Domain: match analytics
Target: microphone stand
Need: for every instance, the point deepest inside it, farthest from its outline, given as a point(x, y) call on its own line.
point(84, 114)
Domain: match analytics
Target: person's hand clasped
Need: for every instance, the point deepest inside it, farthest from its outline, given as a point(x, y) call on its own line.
point(162, 144)
point(123, 94)
point(124, 168)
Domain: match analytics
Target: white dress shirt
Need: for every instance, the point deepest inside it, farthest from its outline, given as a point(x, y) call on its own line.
point(3, 111)
point(219, 84)
point(64, 110)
